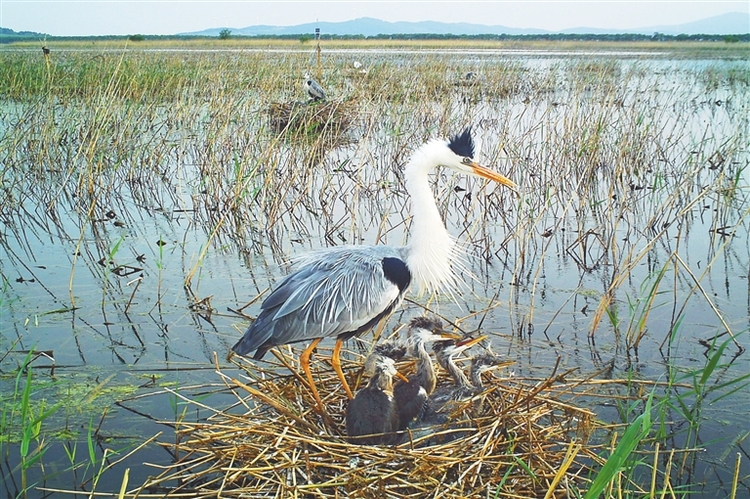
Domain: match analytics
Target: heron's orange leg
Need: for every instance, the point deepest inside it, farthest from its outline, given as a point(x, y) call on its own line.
point(336, 363)
point(304, 361)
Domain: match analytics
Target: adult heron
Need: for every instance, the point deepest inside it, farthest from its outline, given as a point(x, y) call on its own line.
point(372, 415)
point(344, 291)
point(313, 89)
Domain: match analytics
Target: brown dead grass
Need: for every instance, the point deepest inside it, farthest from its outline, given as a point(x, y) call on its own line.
point(519, 438)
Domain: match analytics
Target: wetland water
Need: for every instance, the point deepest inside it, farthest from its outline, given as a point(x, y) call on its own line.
point(135, 228)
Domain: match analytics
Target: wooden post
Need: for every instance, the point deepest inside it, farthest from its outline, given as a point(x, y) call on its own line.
point(320, 69)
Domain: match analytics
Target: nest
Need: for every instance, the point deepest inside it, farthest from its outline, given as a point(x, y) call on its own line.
point(313, 117)
point(518, 438)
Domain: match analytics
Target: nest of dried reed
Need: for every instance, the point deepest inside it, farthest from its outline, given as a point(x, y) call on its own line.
point(518, 438)
point(313, 117)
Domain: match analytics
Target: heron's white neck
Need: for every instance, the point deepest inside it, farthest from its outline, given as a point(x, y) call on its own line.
point(430, 248)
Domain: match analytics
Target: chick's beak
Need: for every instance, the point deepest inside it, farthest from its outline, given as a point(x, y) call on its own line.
point(447, 335)
point(484, 172)
point(469, 342)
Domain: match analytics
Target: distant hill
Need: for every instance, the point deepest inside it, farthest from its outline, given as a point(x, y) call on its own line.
point(726, 24)
point(368, 26)
point(734, 23)
point(9, 33)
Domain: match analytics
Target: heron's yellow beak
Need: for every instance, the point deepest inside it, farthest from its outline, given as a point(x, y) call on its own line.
point(483, 172)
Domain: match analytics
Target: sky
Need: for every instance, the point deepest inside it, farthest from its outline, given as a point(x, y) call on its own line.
point(166, 17)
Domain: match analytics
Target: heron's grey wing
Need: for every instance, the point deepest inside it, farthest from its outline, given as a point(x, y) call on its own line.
point(334, 292)
point(314, 89)
point(318, 90)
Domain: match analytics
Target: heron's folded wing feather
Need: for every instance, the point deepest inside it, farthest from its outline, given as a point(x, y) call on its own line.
point(339, 291)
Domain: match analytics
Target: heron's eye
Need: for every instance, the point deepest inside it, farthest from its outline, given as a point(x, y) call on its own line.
point(466, 161)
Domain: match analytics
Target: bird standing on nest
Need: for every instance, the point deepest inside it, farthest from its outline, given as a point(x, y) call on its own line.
point(313, 89)
point(372, 416)
point(344, 291)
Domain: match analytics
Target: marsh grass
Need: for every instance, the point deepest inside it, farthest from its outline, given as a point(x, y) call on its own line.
point(633, 203)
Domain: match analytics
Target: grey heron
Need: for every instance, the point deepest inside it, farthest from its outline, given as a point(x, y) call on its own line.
point(372, 416)
point(313, 89)
point(344, 291)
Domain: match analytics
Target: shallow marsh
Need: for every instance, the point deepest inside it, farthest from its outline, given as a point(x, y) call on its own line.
point(146, 201)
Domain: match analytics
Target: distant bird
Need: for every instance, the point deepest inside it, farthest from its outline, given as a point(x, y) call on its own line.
point(411, 396)
point(313, 89)
point(372, 415)
point(470, 79)
point(45, 51)
point(344, 291)
point(358, 66)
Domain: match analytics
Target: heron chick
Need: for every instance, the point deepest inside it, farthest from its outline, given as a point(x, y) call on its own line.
point(445, 353)
point(372, 416)
point(411, 395)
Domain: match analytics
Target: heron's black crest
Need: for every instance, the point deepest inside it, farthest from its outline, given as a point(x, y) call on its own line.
point(462, 144)
point(396, 271)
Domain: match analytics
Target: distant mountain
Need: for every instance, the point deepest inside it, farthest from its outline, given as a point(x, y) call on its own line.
point(733, 23)
point(368, 26)
point(726, 24)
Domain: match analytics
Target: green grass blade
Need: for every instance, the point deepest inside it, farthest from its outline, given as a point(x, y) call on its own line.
point(712, 363)
point(628, 443)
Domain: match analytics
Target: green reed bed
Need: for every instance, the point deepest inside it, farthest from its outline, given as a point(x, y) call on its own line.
point(161, 184)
